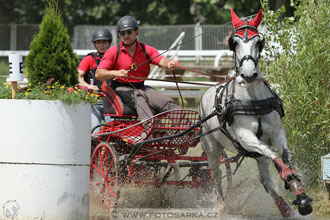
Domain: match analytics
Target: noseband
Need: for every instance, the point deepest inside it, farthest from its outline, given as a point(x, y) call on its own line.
point(248, 57)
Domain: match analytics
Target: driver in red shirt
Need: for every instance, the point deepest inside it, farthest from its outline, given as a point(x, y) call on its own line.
point(116, 64)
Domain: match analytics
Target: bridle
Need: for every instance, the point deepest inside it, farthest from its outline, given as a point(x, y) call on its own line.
point(245, 38)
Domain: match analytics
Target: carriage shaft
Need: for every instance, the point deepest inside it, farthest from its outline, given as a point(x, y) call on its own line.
point(166, 164)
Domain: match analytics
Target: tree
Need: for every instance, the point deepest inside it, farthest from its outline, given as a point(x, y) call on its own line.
point(21, 11)
point(107, 12)
point(51, 54)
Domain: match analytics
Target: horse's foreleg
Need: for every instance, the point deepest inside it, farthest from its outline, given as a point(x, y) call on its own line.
point(288, 174)
point(279, 141)
point(285, 168)
point(266, 181)
point(251, 143)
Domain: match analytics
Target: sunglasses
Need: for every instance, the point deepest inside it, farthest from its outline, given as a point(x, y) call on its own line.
point(122, 33)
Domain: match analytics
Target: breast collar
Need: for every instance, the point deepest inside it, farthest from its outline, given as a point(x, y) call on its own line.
point(231, 106)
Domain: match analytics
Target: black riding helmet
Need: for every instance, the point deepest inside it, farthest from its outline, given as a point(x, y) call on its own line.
point(102, 34)
point(126, 23)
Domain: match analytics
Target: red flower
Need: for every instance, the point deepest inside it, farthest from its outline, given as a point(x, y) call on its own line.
point(70, 89)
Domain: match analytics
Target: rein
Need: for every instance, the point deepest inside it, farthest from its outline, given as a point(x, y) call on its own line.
point(176, 81)
point(200, 72)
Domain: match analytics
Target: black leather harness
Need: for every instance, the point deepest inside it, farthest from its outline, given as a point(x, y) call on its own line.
point(231, 106)
point(91, 74)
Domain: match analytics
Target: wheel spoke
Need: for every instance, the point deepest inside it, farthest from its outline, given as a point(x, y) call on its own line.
point(101, 160)
point(105, 160)
point(110, 179)
point(102, 175)
point(108, 187)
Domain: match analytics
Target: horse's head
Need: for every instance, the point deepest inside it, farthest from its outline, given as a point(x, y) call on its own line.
point(247, 44)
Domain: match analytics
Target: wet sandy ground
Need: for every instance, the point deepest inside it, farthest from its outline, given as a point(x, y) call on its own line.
point(247, 201)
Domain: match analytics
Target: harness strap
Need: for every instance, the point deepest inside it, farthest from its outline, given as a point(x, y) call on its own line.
point(278, 99)
point(259, 131)
point(143, 48)
point(91, 74)
point(248, 57)
point(94, 55)
point(253, 107)
point(246, 26)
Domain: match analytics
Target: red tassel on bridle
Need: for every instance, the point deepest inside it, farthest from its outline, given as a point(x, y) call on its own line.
point(237, 22)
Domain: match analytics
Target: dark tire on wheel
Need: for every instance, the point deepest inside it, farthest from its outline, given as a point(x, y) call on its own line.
point(104, 180)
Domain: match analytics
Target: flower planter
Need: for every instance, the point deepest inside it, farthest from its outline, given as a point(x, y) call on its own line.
point(44, 160)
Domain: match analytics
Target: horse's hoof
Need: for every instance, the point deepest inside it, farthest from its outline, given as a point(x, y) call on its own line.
point(305, 210)
point(284, 208)
point(304, 204)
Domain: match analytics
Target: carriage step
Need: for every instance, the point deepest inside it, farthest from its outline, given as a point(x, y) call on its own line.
point(166, 164)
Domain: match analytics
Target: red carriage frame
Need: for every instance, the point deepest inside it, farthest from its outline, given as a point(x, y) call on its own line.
point(131, 151)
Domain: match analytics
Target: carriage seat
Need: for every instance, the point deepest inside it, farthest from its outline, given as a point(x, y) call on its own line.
point(113, 104)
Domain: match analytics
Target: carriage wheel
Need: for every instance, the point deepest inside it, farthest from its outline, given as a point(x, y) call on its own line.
point(104, 178)
point(227, 181)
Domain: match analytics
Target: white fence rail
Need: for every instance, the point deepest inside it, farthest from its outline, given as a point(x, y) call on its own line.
point(181, 53)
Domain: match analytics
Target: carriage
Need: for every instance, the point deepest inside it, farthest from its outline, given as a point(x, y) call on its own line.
point(149, 152)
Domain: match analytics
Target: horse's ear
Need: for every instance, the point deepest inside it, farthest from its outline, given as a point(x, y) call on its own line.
point(235, 19)
point(257, 20)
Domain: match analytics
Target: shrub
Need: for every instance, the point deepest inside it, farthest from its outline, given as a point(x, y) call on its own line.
point(301, 69)
point(51, 53)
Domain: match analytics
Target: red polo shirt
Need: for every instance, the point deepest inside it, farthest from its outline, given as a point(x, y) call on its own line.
point(125, 61)
point(87, 64)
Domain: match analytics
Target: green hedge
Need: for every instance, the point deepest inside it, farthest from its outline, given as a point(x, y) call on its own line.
point(301, 70)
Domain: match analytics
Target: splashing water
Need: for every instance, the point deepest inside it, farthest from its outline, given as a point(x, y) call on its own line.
point(246, 201)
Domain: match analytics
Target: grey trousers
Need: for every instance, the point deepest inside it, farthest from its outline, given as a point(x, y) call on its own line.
point(151, 100)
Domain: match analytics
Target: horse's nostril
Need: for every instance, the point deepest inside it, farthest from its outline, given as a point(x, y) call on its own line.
point(255, 75)
point(242, 75)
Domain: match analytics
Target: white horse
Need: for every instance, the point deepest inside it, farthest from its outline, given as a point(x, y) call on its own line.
point(250, 119)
